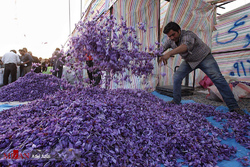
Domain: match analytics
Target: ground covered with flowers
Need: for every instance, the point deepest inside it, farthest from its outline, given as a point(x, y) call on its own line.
point(32, 86)
point(122, 127)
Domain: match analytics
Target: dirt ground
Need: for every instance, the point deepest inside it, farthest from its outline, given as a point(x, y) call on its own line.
point(200, 94)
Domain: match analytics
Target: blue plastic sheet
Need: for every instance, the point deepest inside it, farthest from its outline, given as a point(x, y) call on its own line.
point(167, 98)
point(241, 151)
point(6, 106)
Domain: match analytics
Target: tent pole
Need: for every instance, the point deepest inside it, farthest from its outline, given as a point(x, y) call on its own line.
point(159, 23)
point(69, 19)
point(159, 35)
point(81, 9)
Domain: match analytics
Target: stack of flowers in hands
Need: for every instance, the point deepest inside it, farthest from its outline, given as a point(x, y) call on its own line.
point(32, 86)
point(122, 127)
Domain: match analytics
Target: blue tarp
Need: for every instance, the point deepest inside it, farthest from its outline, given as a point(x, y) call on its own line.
point(6, 106)
point(241, 151)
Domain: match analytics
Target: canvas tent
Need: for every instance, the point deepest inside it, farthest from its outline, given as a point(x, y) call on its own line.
point(231, 43)
point(198, 16)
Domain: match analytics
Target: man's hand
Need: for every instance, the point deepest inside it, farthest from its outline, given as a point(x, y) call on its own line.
point(164, 58)
point(164, 61)
point(166, 55)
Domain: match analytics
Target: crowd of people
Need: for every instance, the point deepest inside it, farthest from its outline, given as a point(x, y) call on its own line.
point(27, 61)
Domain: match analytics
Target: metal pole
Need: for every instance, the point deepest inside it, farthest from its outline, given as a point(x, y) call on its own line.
point(159, 23)
point(81, 10)
point(69, 19)
point(159, 37)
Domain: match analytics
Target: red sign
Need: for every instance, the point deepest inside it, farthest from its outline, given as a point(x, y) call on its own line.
point(17, 155)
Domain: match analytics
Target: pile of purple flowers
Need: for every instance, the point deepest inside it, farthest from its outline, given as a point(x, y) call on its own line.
point(32, 86)
point(122, 127)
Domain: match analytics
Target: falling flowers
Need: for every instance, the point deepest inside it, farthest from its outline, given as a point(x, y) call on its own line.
point(114, 47)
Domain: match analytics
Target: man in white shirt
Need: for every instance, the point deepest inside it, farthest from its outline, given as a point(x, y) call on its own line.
point(10, 61)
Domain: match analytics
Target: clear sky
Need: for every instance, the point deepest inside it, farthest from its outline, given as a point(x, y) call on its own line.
point(232, 5)
point(39, 25)
point(43, 25)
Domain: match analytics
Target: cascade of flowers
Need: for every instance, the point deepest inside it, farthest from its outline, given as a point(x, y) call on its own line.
point(114, 47)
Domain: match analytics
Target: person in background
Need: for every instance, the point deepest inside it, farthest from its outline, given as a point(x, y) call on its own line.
point(196, 54)
point(1, 63)
point(40, 59)
point(58, 65)
point(10, 61)
point(50, 64)
point(27, 60)
point(37, 61)
point(54, 57)
point(21, 65)
point(89, 63)
point(45, 65)
point(95, 79)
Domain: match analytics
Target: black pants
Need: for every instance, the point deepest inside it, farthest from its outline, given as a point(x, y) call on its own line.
point(90, 64)
point(38, 69)
point(90, 74)
point(21, 71)
point(9, 69)
point(44, 68)
point(58, 72)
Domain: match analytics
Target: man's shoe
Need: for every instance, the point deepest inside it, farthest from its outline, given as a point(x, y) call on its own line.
point(238, 110)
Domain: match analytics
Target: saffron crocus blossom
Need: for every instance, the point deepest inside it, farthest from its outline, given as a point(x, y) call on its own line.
point(121, 127)
point(32, 86)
